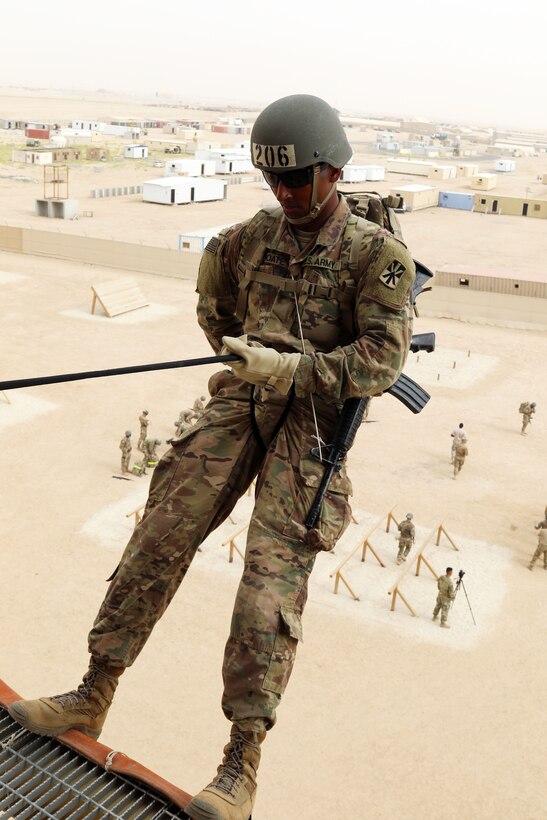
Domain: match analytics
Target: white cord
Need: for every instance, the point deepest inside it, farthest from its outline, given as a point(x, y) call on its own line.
point(318, 437)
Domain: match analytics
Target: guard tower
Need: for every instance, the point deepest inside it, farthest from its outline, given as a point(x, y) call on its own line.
point(56, 202)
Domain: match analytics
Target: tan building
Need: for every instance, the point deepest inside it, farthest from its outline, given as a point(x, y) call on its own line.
point(409, 166)
point(467, 169)
point(511, 205)
point(442, 172)
point(490, 295)
point(484, 182)
point(417, 196)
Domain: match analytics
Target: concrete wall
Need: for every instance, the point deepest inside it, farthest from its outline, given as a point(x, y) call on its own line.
point(106, 252)
point(489, 308)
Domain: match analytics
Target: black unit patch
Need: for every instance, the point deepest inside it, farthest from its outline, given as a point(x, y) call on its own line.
point(390, 277)
point(212, 245)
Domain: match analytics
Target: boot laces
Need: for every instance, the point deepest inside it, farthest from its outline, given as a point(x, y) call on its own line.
point(76, 696)
point(230, 771)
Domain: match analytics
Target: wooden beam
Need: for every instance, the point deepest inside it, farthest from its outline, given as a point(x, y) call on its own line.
point(368, 545)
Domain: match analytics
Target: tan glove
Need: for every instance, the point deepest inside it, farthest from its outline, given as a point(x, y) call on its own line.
point(262, 365)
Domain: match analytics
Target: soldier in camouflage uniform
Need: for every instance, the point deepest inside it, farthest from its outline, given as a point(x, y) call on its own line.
point(125, 447)
point(144, 422)
point(316, 303)
point(198, 407)
point(528, 411)
point(542, 544)
point(150, 455)
point(406, 537)
point(460, 455)
point(446, 595)
point(183, 424)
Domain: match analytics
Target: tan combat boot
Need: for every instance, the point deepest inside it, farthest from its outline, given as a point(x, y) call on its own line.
point(85, 708)
point(231, 794)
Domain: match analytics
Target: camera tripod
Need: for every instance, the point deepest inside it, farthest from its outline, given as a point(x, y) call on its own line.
point(460, 583)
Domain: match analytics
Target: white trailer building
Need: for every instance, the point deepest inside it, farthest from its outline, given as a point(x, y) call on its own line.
point(506, 166)
point(181, 190)
point(190, 167)
point(195, 241)
point(362, 173)
point(135, 151)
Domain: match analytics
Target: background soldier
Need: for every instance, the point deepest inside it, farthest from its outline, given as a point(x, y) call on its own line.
point(446, 595)
point(149, 449)
point(198, 407)
point(144, 422)
point(541, 549)
point(457, 436)
point(349, 338)
point(527, 409)
point(460, 455)
point(184, 423)
point(542, 544)
point(125, 447)
point(406, 538)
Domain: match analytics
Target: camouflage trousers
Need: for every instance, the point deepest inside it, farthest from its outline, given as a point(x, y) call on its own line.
point(404, 548)
point(142, 437)
point(442, 605)
point(458, 464)
point(541, 550)
point(125, 462)
point(525, 422)
point(193, 489)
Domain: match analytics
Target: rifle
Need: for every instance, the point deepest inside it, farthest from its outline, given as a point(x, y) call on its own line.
point(405, 389)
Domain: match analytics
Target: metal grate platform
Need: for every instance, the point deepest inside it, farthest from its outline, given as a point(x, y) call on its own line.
point(41, 778)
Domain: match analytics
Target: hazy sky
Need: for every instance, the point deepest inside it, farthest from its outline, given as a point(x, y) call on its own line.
point(476, 60)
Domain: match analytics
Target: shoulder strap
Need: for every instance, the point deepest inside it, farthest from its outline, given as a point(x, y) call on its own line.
point(252, 250)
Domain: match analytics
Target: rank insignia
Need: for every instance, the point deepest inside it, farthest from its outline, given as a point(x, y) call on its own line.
point(390, 277)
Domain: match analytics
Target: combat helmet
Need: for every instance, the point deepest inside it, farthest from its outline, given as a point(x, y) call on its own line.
point(409, 515)
point(296, 132)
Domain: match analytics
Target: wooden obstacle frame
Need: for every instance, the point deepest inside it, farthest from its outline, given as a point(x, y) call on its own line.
point(231, 542)
point(363, 544)
point(418, 559)
point(5, 397)
point(118, 296)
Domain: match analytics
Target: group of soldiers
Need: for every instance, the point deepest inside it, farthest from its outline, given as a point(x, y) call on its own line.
point(459, 437)
point(445, 585)
point(148, 446)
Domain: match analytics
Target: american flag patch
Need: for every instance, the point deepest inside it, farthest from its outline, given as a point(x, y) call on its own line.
point(212, 244)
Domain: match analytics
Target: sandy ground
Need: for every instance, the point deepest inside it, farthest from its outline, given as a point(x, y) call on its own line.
point(385, 715)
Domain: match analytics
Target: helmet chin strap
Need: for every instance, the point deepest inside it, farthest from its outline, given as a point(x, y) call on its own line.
point(315, 206)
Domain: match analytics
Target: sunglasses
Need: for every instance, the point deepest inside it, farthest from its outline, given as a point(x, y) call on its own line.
point(292, 179)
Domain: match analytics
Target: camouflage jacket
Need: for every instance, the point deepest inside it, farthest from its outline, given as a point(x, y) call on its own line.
point(446, 589)
point(125, 445)
point(357, 328)
point(406, 528)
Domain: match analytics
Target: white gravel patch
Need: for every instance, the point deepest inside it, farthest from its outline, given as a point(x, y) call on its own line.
point(6, 278)
point(22, 407)
point(485, 566)
point(438, 367)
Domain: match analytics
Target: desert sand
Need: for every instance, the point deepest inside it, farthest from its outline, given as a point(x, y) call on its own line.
point(385, 715)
